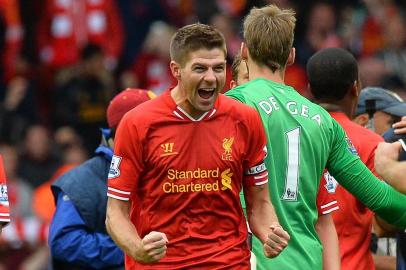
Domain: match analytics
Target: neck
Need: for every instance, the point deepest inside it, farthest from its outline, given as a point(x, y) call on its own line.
point(256, 71)
point(337, 106)
point(181, 100)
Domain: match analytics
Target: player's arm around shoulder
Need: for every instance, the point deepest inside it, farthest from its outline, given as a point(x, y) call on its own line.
point(263, 221)
point(150, 249)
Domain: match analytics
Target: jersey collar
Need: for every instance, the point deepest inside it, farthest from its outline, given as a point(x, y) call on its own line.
point(183, 115)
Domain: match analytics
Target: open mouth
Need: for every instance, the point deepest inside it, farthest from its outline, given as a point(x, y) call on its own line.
point(206, 93)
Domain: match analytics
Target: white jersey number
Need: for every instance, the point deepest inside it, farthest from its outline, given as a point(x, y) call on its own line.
point(292, 169)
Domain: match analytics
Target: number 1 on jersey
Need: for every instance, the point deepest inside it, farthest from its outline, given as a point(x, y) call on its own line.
point(292, 169)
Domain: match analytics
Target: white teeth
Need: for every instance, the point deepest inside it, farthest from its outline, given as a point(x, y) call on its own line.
point(207, 89)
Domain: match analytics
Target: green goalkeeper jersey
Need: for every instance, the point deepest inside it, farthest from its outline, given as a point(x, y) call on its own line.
point(303, 140)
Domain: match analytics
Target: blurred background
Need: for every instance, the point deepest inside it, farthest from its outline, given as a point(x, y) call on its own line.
point(61, 61)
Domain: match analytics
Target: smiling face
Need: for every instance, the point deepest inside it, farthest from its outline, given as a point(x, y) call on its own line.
point(200, 80)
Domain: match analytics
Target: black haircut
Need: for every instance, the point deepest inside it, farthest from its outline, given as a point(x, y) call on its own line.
point(331, 73)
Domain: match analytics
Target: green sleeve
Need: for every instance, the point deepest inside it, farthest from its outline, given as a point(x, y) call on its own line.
point(354, 176)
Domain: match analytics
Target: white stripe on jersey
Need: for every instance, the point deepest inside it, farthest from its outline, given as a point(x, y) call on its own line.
point(119, 191)
point(117, 197)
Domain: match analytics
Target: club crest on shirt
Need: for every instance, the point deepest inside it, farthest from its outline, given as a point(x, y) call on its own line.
point(331, 183)
point(3, 195)
point(114, 170)
point(351, 146)
point(227, 144)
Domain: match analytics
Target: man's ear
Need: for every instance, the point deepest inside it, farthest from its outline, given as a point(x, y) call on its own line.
point(361, 119)
point(291, 57)
point(355, 89)
point(244, 51)
point(233, 84)
point(175, 69)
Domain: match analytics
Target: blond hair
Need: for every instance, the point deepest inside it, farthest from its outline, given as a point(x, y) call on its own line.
point(194, 37)
point(235, 67)
point(268, 34)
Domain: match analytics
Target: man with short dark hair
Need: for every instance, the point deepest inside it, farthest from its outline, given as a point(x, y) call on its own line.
point(334, 83)
point(179, 164)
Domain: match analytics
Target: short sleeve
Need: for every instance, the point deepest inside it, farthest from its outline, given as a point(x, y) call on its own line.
point(326, 199)
point(255, 169)
point(126, 164)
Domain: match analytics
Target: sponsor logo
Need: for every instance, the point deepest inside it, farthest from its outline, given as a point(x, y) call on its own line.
point(226, 179)
point(227, 144)
point(192, 174)
point(331, 183)
point(114, 170)
point(167, 149)
point(210, 180)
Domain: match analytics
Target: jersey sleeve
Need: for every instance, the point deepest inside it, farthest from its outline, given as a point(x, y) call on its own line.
point(255, 171)
point(4, 203)
point(346, 167)
point(126, 164)
point(326, 199)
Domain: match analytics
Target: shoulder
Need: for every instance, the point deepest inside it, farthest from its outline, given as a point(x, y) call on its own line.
point(235, 107)
point(143, 111)
point(143, 116)
point(364, 138)
point(83, 171)
point(357, 131)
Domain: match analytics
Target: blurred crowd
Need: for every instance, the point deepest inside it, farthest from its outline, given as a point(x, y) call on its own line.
point(61, 61)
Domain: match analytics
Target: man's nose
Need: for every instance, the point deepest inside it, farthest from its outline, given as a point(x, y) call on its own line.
point(210, 76)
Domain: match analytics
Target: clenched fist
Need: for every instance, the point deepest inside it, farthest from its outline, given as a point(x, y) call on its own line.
point(276, 241)
point(152, 248)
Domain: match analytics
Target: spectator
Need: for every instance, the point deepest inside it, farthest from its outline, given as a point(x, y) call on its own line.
point(38, 161)
point(80, 196)
point(378, 109)
point(151, 68)
point(67, 26)
point(12, 40)
point(82, 94)
point(17, 110)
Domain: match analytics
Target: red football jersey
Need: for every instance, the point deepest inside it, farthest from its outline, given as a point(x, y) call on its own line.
point(354, 220)
point(4, 204)
point(184, 176)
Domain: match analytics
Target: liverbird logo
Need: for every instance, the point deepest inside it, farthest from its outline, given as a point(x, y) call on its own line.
point(227, 144)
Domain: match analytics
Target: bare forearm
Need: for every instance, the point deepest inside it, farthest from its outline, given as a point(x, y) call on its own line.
point(260, 218)
point(394, 172)
point(328, 236)
point(122, 231)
